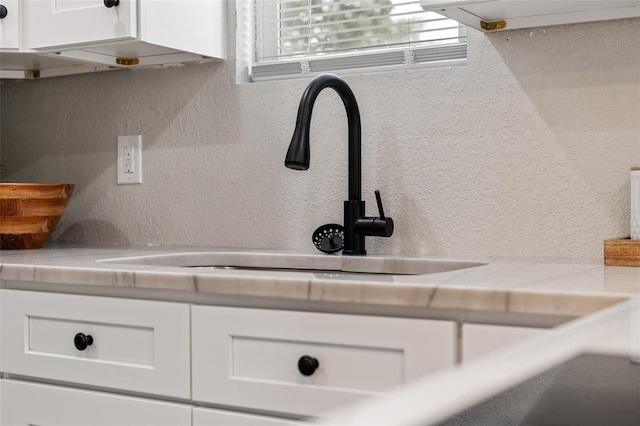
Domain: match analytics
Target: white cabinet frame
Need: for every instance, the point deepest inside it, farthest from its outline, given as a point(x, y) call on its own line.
point(495, 15)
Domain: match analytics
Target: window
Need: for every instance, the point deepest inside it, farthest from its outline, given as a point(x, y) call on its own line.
point(298, 37)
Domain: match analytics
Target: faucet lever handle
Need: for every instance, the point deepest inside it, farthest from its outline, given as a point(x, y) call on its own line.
point(374, 226)
point(379, 201)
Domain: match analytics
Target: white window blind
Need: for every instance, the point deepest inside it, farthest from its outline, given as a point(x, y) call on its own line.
point(298, 37)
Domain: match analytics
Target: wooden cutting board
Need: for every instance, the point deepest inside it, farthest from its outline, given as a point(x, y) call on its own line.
point(622, 252)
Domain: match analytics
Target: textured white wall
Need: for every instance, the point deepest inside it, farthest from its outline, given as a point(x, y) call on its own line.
point(523, 152)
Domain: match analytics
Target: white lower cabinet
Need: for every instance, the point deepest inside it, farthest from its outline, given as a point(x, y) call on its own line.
point(307, 363)
point(134, 345)
point(481, 339)
point(24, 404)
point(93, 361)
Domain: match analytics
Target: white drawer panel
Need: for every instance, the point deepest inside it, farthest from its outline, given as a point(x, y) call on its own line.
point(137, 345)
point(210, 417)
point(249, 357)
point(276, 358)
point(24, 404)
point(119, 343)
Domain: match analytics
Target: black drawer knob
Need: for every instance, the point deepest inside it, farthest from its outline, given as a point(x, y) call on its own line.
point(307, 365)
point(112, 3)
point(81, 341)
point(3, 11)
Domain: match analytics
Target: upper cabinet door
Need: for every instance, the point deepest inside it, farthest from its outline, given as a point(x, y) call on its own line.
point(492, 15)
point(57, 23)
point(9, 25)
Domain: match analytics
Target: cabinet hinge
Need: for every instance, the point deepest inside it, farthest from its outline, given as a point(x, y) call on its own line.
point(493, 25)
point(127, 61)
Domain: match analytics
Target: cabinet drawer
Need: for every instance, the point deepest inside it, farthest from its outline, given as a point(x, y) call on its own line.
point(210, 417)
point(25, 404)
point(249, 357)
point(136, 345)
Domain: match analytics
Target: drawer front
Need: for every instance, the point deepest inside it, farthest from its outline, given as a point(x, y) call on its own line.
point(249, 357)
point(25, 404)
point(210, 417)
point(135, 345)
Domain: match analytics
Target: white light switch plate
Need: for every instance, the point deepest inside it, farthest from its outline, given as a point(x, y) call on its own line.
point(129, 159)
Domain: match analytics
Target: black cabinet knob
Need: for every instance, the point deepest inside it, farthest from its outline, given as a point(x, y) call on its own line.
point(307, 365)
point(112, 3)
point(81, 341)
point(3, 11)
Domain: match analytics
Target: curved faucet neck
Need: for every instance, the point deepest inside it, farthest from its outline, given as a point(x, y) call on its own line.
point(353, 120)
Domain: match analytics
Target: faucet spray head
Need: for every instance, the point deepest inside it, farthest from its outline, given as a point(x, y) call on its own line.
point(298, 153)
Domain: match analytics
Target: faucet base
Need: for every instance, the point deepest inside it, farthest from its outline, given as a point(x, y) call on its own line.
point(353, 241)
point(354, 252)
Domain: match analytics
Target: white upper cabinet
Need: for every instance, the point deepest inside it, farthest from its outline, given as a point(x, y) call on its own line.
point(9, 25)
point(60, 23)
point(91, 35)
point(493, 15)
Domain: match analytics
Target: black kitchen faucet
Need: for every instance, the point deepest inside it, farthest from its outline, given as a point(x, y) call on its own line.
point(356, 224)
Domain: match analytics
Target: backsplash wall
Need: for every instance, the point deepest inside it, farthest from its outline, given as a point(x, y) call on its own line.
point(523, 152)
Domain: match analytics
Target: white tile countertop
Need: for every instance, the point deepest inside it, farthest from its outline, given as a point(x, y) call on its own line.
point(603, 301)
point(520, 287)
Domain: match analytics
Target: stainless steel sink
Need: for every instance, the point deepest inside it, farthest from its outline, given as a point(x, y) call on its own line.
point(298, 263)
